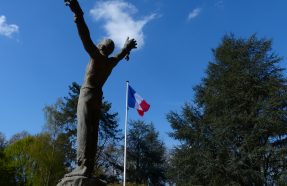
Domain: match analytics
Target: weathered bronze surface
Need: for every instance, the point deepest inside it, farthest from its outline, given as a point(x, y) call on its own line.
point(90, 99)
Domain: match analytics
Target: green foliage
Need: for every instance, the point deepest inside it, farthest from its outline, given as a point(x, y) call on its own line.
point(35, 160)
point(48, 160)
point(61, 123)
point(18, 136)
point(145, 155)
point(20, 160)
point(6, 172)
point(235, 132)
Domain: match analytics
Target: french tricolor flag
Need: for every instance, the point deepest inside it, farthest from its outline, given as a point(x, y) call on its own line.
point(136, 101)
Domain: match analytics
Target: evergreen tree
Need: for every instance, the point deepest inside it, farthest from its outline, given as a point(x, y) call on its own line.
point(145, 155)
point(235, 131)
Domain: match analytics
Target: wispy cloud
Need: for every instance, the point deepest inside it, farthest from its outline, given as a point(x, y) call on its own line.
point(194, 13)
point(6, 29)
point(118, 21)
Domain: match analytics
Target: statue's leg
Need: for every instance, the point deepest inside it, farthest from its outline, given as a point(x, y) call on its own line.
point(94, 114)
point(88, 115)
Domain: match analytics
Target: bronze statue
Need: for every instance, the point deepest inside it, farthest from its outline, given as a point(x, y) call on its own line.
point(90, 99)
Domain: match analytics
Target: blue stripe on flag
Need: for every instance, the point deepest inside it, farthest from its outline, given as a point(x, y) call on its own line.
point(131, 97)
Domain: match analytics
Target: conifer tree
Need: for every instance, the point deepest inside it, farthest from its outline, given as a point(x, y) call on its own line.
point(235, 131)
point(146, 163)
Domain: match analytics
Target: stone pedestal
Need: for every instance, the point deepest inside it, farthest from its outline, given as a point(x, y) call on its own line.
point(80, 181)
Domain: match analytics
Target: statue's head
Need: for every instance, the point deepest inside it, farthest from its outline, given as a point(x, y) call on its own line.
point(106, 47)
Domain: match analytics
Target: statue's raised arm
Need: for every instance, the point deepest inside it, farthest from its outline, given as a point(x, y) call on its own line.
point(82, 27)
point(130, 44)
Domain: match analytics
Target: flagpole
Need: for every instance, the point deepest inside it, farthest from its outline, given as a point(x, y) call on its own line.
point(126, 128)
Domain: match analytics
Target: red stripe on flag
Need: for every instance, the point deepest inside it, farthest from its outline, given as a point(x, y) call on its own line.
point(144, 105)
point(141, 113)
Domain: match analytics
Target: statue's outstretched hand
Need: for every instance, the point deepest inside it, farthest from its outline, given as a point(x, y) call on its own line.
point(74, 5)
point(130, 44)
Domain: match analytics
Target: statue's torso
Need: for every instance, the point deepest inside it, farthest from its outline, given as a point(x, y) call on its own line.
point(97, 72)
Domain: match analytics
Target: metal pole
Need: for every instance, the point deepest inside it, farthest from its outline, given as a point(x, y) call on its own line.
point(126, 128)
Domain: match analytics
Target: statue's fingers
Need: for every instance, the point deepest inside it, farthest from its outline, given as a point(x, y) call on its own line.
point(67, 2)
point(70, 2)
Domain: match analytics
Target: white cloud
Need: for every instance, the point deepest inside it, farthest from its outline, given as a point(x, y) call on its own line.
point(6, 29)
point(194, 13)
point(118, 21)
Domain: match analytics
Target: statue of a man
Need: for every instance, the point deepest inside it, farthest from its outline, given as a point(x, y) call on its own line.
point(90, 99)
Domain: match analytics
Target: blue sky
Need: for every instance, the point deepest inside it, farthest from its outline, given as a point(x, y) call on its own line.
point(41, 54)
